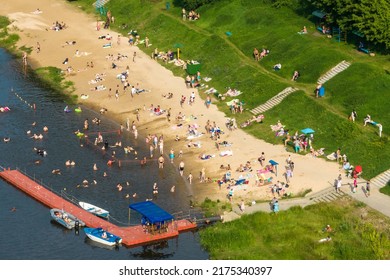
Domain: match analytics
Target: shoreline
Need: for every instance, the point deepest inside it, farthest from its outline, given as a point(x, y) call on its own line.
point(311, 173)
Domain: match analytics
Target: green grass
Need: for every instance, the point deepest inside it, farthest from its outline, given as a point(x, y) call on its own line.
point(229, 61)
point(385, 190)
point(7, 40)
point(294, 234)
point(214, 208)
point(53, 78)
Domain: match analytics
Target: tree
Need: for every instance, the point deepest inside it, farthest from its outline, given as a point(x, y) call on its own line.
point(370, 17)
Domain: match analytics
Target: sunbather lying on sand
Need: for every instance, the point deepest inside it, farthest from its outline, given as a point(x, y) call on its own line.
point(98, 88)
point(204, 156)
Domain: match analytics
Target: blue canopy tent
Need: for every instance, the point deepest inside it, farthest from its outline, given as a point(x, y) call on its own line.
point(153, 217)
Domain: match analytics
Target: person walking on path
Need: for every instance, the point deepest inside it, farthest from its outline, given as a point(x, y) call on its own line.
point(161, 161)
point(338, 184)
point(181, 168)
point(354, 185)
point(368, 188)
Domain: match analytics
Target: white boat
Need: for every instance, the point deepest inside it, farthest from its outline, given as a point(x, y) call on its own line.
point(94, 209)
point(102, 236)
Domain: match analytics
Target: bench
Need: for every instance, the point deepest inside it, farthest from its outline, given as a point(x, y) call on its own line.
point(367, 51)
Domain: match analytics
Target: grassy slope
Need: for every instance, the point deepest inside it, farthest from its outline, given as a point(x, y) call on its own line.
point(386, 189)
point(294, 234)
point(228, 60)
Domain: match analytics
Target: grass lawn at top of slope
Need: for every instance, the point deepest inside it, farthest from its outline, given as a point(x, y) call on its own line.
point(261, 26)
point(359, 233)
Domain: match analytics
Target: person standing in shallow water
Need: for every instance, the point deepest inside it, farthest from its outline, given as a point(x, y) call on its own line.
point(190, 178)
point(181, 168)
point(161, 161)
point(171, 155)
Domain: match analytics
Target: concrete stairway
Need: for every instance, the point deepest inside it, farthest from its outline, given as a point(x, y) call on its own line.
point(273, 101)
point(334, 71)
point(381, 180)
point(327, 195)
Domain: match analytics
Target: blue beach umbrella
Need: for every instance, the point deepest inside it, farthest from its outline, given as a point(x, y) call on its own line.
point(307, 131)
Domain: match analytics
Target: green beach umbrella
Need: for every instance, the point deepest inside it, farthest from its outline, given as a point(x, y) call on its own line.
point(178, 46)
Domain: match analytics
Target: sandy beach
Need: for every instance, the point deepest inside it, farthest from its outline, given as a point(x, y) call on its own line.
point(35, 28)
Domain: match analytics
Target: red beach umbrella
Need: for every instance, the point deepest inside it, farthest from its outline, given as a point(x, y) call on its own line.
point(358, 169)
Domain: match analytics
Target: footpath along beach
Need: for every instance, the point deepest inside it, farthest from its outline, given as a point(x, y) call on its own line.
point(145, 73)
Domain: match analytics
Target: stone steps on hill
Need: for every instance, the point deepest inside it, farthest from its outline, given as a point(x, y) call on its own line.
point(326, 195)
point(272, 102)
point(334, 71)
point(381, 180)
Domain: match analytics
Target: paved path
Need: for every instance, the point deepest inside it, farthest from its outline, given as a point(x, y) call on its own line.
point(376, 200)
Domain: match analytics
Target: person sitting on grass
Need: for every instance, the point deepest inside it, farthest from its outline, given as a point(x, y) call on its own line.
point(328, 228)
point(303, 31)
point(256, 54)
point(367, 120)
point(277, 67)
point(295, 76)
point(263, 53)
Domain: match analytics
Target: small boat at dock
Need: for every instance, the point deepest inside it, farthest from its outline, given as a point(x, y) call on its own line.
point(94, 209)
point(65, 219)
point(102, 236)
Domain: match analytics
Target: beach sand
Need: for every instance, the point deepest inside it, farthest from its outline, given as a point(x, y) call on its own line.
point(309, 173)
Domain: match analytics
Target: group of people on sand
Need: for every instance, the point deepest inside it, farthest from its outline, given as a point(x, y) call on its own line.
point(193, 81)
point(57, 26)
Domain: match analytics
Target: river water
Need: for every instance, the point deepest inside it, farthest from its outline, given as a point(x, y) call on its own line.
point(28, 233)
